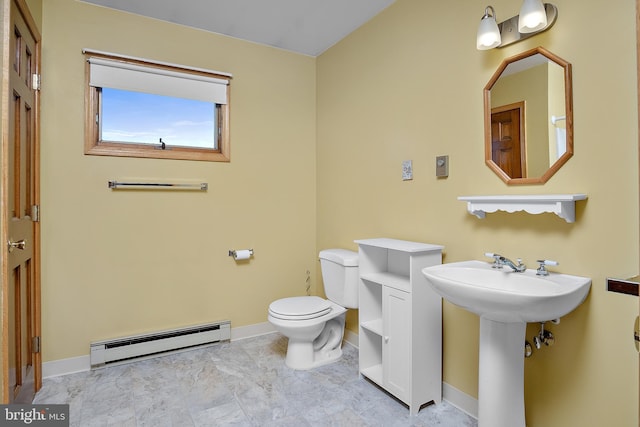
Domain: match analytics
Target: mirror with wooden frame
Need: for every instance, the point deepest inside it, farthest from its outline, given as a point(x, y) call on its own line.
point(528, 117)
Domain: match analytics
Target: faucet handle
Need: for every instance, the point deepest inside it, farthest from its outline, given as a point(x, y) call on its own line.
point(542, 271)
point(497, 259)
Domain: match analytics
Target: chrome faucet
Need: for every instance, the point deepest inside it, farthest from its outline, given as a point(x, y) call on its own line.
point(517, 268)
point(499, 261)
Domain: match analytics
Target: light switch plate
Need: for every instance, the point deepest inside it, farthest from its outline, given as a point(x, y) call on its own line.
point(407, 170)
point(442, 166)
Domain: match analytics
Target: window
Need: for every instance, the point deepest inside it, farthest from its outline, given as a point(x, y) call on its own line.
point(138, 108)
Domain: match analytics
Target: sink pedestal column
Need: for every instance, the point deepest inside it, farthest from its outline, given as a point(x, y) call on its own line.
point(501, 374)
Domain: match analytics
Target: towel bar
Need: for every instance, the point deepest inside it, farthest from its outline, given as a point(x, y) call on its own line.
point(114, 185)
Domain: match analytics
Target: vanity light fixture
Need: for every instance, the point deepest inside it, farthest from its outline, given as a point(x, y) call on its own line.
point(535, 17)
point(488, 32)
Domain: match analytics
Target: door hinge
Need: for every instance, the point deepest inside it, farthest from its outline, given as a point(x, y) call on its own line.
point(35, 81)
point(35, 344)
point(35, 213)
point(636, 334)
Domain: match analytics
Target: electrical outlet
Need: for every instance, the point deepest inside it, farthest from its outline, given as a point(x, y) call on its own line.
point(407, 170)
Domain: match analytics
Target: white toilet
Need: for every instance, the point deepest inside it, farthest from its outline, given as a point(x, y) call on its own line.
point(315, 326)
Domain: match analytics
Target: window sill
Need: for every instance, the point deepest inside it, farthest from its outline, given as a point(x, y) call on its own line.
point(121, 150)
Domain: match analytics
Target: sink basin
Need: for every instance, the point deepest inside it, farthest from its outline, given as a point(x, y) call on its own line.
point(506, 296)
point(505, 301)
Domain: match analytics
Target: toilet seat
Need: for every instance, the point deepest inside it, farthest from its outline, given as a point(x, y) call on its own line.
point(299, 308)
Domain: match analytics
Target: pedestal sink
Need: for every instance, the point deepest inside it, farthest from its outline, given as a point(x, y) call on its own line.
point(505, 301)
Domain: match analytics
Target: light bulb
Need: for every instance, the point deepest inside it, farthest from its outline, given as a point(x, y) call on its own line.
point(533, 16)
point(488, 33)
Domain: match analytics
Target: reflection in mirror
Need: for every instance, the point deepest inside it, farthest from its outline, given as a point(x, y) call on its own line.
point(529, 117)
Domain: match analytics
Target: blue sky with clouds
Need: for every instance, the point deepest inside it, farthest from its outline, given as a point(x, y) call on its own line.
point(145, 118)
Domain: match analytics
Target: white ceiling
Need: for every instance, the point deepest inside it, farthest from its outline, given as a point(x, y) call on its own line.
point(308, 27)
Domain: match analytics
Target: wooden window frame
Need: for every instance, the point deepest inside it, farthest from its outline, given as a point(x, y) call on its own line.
point(94, 146)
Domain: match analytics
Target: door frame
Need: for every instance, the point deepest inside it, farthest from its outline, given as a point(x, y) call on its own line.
point(638, 89)
point(4, 191)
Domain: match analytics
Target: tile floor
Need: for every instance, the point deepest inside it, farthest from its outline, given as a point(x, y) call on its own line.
point(241, 383)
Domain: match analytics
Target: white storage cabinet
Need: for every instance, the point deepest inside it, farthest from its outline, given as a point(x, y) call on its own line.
point(400, 324)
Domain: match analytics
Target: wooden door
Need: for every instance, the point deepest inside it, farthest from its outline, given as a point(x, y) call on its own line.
point(20, 200)
point(507, 139)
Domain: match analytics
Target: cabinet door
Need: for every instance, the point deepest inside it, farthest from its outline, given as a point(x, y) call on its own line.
point(396, 344)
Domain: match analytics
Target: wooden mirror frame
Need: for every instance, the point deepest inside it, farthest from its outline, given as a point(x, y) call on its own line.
point(568, 89)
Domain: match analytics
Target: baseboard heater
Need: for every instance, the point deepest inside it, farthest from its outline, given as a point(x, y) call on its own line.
point(127, 349)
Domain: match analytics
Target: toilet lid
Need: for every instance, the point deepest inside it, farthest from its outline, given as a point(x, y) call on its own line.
point(299, 308)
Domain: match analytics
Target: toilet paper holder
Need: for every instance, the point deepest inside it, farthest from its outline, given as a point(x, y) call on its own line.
point(234, 253)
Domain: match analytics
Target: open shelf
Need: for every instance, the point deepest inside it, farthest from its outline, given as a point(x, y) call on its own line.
point(374, 373)
point(397, 281)
point(374, 326)
point(562, 205)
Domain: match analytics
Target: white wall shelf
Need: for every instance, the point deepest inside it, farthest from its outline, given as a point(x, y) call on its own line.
point(562, 205)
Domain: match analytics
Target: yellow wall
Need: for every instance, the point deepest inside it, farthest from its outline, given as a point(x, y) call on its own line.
point(123, 262)
point(408, 85)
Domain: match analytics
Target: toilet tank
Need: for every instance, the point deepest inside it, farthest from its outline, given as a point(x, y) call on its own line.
point(340, 276)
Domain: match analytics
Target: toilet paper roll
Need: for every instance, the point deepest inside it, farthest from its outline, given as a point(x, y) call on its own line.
point(242, 254)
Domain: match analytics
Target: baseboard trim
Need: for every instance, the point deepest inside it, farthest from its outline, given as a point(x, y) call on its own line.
point(251, 331)
point(72, 365)
point(351, 338)
point(460, 400)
